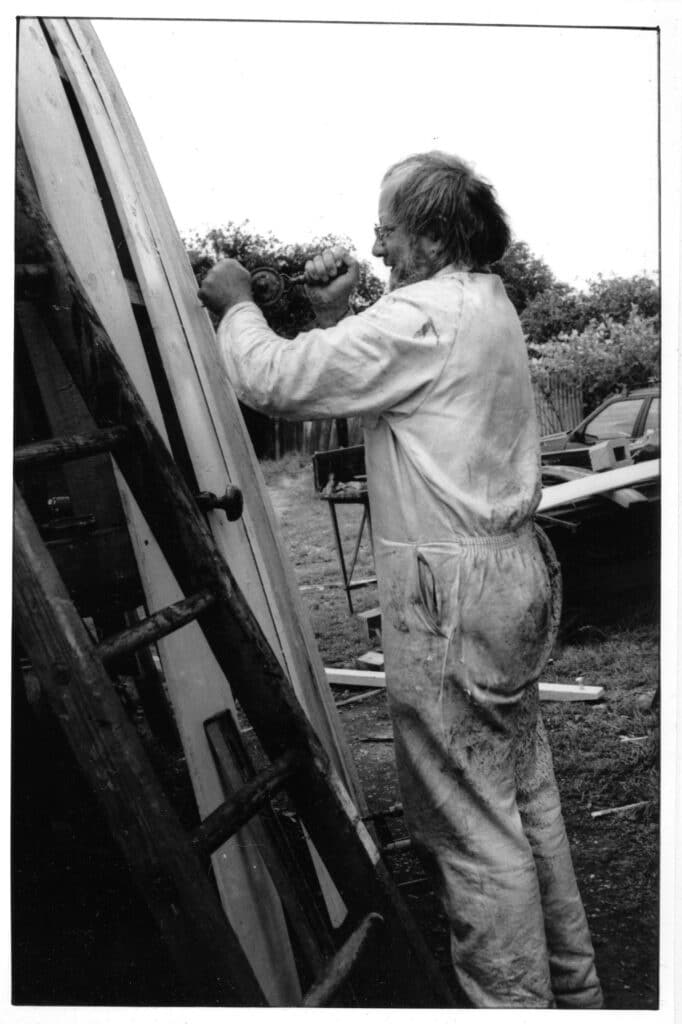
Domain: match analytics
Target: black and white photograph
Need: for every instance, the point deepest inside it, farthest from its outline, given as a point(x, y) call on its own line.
point(343, 581)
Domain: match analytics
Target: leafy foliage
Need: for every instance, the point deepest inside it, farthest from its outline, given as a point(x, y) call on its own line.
point(560, 309)
point(607, 356)
point(292, 313)
point(524, 275)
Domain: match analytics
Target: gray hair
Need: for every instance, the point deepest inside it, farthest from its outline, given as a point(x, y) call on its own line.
point(439, 196)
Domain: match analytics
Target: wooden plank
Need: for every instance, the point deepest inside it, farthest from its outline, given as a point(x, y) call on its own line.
point(598, 483)
point(356, 677)
point(548, 691)
point(187, 345)
point(67, 190)
point(620, 810)
point(209, 413)
point(111, 757)
point(624, 496)
point(570, 692)
point(197, 691)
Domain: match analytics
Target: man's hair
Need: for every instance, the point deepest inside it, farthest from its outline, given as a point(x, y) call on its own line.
point(440, 196)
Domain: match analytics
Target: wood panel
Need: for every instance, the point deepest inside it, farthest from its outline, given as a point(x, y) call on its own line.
point(196, 684)
point(187, 345)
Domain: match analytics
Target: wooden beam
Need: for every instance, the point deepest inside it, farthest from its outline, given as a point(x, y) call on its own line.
point(217, 438)
point(598, 483)
point(624, 496)
point(570, 692)
point(356, 677)
point(62, 171)
point(548, 691)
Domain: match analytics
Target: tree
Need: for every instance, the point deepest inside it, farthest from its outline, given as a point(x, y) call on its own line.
point(616, 297)
point(562, 310)
point(292, 313)
point(558, 310)
point(604, 358)
point(524, 275)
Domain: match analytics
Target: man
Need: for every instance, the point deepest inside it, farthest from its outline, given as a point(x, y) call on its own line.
point(438, 370)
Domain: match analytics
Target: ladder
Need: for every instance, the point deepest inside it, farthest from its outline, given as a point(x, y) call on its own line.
point(169, 865)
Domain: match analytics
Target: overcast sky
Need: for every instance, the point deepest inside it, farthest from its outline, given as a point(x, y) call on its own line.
point(292, 125)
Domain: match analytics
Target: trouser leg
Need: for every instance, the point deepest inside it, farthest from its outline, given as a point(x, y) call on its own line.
point(460, 808)
point(463, 633)
point(571, 957)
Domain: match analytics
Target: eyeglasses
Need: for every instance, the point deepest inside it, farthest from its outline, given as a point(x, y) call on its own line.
point(382, 231)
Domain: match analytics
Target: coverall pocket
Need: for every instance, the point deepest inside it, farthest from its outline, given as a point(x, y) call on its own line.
point(427, 599)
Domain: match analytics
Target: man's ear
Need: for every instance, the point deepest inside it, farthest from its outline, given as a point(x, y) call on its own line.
point(435, 248)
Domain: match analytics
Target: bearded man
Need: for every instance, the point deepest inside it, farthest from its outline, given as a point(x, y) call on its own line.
point(469, 589)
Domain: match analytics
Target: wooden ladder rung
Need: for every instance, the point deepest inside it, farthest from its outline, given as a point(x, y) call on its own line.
point(69, 446)
point(342, 964)
point(166, 620)
point(222, 823)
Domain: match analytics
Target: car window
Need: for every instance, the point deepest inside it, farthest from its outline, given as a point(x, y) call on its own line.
point(653, 417)
point(616, 420)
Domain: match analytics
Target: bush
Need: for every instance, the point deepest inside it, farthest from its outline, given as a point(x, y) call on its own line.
point(560, 310)
point(603, 359)
point(292, 313)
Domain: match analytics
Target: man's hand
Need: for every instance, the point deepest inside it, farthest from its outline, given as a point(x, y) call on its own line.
point(330, 277)
point(226, 284)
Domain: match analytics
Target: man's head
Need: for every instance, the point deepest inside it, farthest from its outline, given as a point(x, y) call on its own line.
point(434, 211)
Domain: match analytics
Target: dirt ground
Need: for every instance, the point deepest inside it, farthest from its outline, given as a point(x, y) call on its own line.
point(606, 754)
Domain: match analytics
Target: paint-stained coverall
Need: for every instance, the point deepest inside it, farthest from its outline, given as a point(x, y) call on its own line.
point(469, 598)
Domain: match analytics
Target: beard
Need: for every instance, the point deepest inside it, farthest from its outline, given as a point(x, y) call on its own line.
point(416, 266)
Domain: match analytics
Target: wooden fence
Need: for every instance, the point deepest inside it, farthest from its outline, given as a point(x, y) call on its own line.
point(559, 410)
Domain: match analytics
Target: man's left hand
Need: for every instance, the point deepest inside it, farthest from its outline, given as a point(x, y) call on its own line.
point(226, 284)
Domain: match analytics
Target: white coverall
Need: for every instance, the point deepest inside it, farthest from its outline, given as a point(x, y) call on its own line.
point(438, 371)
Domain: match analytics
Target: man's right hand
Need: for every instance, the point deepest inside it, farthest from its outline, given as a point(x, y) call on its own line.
point(330, 278)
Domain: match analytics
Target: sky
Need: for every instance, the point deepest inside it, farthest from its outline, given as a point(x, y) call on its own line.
point(291, 126)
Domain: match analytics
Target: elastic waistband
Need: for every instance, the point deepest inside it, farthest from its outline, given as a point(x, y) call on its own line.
point(458, 541)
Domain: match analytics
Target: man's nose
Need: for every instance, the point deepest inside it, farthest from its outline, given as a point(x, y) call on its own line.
point(378, 249)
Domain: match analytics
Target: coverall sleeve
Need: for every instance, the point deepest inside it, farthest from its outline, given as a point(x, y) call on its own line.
point(379, 360)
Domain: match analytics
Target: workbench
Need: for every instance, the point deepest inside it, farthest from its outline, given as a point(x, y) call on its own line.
point(340, 479)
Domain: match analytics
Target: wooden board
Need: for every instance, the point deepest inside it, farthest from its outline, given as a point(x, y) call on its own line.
point(377, 680)
point(209, 413)
point(72, 201)
point(598, 483)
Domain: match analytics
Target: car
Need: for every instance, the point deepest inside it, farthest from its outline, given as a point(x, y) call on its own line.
point(634, 416)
